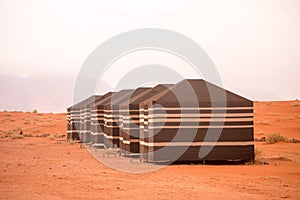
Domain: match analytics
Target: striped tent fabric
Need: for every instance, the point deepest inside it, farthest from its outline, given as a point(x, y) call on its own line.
point(85, 117)
point(113, 118)
point(191, 121)
point(97, 119)
point(72, 122)
point(187, 124)
point(130, 130)
point(123, 114)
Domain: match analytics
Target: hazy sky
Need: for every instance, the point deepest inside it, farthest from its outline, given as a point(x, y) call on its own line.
point(254, 44)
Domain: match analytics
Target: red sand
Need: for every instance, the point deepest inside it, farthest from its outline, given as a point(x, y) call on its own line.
point(38, 168)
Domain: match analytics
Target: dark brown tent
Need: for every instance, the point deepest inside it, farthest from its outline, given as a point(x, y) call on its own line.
point(73, 123)
point(97, 119)
point(130, 130)
point(197, 121)
point(112, 118)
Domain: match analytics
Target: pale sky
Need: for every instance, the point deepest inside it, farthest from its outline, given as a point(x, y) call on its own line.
point(254, 44)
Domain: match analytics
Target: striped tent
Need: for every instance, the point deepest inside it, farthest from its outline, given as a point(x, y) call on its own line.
point(196, 121)
point(97, 120)
point(85, 117)
point(73, 121)
point(130, 130)
point(112, 119)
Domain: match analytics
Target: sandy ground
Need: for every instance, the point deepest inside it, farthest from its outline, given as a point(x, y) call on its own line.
point(39, 168)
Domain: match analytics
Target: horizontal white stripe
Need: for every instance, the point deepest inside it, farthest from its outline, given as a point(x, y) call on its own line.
point(240, 126)
point(199, 115)
point(131, 121)
point(159, 144)
point(201, 108)
point(110, 136)
point(201, 120)
point(126, 142)
point(111, 120)
point(111, 116)
point(127, 110)
point(111, 126)
point(132, 128)
point(98, 114)
point(98, 133)
point(142, 109)
point(130, 141)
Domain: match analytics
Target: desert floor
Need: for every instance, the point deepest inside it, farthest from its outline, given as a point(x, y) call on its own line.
point(39, 168)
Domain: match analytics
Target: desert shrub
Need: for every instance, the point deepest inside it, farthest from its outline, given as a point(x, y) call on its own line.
point(51, 137)
point(38, 119)
point(45, 135)
point(16, 136)
point(276, 137)
point(10, 132)
point(257, 154)
point(27, 135)
point(34, 111)
point(59, 135)
point(296, 103)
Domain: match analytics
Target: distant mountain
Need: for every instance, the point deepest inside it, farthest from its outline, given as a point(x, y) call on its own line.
point(46, 93)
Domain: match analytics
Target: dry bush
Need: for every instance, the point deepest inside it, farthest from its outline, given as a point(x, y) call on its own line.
point(38, 119)
point(16, 136)
point(34, 111)
point(296, 103)
point(257, 154)
point(276, 137)
point(51, 137)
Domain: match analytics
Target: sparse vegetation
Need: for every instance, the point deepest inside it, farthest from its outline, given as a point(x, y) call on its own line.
point(289, 118)
point(276, 137)
point(51, 137)
point(34, 111)
point(38, 119)
point(16, 136)
point(257, 154)
point(296, 103)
